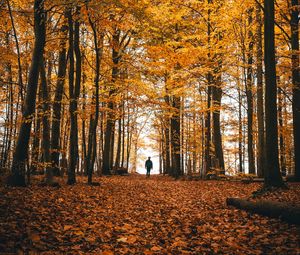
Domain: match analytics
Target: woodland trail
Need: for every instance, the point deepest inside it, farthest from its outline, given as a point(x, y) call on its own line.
point(135, 215)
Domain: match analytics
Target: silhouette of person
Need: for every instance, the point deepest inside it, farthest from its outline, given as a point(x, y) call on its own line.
point(148, 166)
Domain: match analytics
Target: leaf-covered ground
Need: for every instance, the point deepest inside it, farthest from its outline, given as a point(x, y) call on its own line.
point(135, 215)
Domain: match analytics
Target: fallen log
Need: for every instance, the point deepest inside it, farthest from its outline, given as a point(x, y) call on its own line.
point(252, 180)
point(284, 211)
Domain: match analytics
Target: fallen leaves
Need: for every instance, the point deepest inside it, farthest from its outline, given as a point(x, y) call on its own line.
point(67, 227)
point(129, 215)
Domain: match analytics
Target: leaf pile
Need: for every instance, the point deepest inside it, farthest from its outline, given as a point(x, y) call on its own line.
point(135, 215)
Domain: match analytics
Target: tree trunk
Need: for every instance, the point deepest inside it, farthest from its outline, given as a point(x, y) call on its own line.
point(92, 142)
point(46, 127)
point(175, 137)
point(167, 138)
point(241, 161)
point(207, 156)
point(271, 209)
point(20, 79)
point(83, 120)
point(281, 132)
point(260, 100)
point(56, 118)
point(7, 139)
point(249, 95)
point(36, 141)
point(74, 91)
point(296, 84)
point(272, 171)
point(112, 145)
point(17, 177)
point(123, 134)
point(217, 137)
point(118, 153)
point(108, 143)
point(194, 142)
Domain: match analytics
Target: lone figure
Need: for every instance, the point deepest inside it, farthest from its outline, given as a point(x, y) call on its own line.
point(148, 166)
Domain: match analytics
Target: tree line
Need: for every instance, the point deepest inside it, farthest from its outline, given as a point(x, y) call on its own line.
point(218, 80)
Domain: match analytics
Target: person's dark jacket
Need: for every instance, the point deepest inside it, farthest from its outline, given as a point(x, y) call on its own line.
point(149, 164)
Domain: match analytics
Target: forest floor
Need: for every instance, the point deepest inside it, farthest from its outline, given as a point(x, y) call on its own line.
point(135, 215)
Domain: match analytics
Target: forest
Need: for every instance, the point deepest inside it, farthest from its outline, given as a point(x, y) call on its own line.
point(89, 89)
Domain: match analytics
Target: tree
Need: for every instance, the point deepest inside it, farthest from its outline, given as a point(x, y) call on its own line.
point(74, 90)
point(57, 104)
point(260, 100)
point(92, 140)
point(296, 83)
point(249, 94)
point(17, 177)
point(110, 122)
point(272, 171)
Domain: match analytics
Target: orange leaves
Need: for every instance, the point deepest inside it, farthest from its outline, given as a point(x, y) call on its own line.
point(35, 237)
point(107, 253)
point(134, 215)
point(128, 239)
point(67, 227)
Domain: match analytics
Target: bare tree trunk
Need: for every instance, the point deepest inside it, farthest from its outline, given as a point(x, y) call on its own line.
point(207, 156)
point(56, 118)
point(108, 143)
point(36, 141)
point(112, 145)
point(296, 84)
point(17, 177)
point(83, 121)
point(123, 134)
point(272, 172)
point(21, 86)
point(46, 127)
point(175, 137)
point(74, 90)
point(92, 143)
point(194, 143)
point(118, 153)
point(241, 161)
point(217, 137)
point(281, 136)
point(167, 139)
point(260, 100)
point(249, 95)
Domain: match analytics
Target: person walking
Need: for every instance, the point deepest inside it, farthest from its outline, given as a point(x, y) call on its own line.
point(148, 166)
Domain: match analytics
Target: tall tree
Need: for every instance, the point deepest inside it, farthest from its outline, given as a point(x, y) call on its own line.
point(46, 126)
point(17, 177)
point(167, 138)
point(175, 136)
point(57, 104)
point(249, 94)
point(217, 135)
point(272, 171)
point(74, 90)
point(92, 141)
point(260, 100)
point(296, 83)
point(110, 122)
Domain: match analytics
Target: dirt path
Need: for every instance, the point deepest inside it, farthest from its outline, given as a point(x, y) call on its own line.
point(135, 215)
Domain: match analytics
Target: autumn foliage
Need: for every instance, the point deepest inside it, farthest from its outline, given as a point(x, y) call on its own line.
point(89, 89)
point(135, 215)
